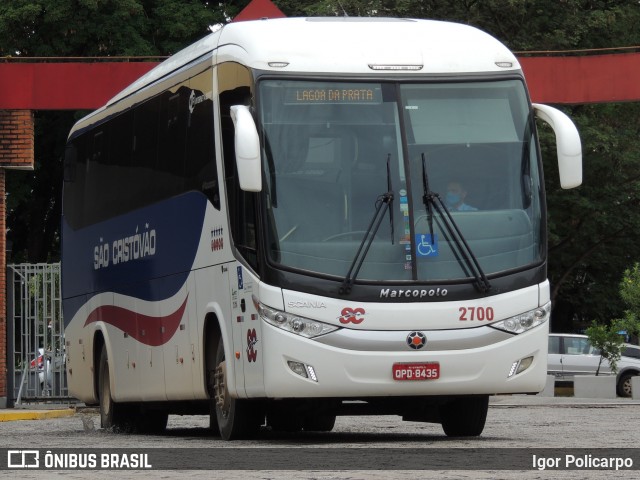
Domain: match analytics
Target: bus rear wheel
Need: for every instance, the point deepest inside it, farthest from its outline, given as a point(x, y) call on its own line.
point(236, 418)
point(465, 416)
point(112, 415)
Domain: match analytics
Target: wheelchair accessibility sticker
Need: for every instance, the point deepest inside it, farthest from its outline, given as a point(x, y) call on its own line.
point(426, 246)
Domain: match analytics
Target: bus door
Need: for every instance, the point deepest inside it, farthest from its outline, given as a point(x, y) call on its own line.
point(247, 333)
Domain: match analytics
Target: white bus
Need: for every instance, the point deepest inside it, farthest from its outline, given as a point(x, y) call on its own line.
point(300, 218)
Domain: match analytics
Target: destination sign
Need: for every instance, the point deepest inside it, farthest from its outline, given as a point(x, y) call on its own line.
point(334, 94)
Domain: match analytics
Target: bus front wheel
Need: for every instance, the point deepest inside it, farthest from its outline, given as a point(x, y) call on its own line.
point(236, 418)
point(464, 416)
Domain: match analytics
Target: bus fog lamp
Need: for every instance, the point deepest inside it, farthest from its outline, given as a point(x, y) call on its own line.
point(525, 321)
point(524, 364)
point(302, 369)
point(298, 368)
point(520, 366)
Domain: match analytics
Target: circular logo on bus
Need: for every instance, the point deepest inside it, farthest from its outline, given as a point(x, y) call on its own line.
point(416, 340)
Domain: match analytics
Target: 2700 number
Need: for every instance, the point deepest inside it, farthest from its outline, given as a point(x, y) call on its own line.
point(476, 313)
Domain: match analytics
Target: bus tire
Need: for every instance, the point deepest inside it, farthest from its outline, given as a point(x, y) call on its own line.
point(212, 337)
point(465, 416)
point(113, 416)
point(214, 428)
point(236, 418)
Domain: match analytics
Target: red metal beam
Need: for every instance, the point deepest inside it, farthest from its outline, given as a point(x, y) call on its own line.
point(65, 86)
point(585, 79)
point(73, 86)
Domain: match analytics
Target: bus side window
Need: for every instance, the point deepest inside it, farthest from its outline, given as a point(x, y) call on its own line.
point(201, 171)
point(241, 204)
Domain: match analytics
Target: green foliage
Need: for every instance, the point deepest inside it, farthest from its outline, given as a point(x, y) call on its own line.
point(606, 339)
point(103, 27)
point(593, 229)
point(630, 288)
point(630, 293)
point(530, 25)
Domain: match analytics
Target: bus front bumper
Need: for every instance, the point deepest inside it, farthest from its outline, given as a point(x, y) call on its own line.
point(298, 367)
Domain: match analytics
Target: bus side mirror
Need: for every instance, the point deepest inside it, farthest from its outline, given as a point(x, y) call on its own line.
point(247, 146)
point(568, 144)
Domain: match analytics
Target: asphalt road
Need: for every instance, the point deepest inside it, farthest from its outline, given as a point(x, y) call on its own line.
point(373, 447)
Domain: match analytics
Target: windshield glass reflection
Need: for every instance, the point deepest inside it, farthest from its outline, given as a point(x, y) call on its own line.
point(327, 145)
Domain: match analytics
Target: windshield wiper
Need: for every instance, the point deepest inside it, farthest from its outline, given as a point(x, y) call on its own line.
point(383, 203)
point(272, 172)
point(432, 201)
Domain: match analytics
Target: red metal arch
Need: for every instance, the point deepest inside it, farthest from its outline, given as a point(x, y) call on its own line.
point(73, 86)
point(80, 85)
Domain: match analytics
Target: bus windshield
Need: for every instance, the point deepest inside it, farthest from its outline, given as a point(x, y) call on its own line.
point(333, 150)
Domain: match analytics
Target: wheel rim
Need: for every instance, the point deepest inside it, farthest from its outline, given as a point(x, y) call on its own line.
point(626, 386)
point(220, 389)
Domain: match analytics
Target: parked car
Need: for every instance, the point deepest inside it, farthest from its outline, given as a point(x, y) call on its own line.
point(572, 354)
point(42, 365)
point(47, 364)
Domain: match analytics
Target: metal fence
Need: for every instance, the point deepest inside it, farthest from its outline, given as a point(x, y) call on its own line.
point(35, 334)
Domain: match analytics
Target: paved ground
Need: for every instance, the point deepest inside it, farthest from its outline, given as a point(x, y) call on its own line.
point(515, 424)
point(40, 412)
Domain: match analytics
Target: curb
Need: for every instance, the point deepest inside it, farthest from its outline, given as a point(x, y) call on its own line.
point(8, 416)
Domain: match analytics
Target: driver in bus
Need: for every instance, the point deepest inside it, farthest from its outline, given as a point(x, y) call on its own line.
point(454, 199)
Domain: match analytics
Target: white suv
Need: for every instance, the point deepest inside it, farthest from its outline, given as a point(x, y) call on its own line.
point(572, 354)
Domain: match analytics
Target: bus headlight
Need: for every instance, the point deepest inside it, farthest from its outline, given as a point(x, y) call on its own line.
point(293, 323)
point(525, 321)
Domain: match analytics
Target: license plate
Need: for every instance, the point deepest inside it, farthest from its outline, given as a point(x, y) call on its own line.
point(416, 371)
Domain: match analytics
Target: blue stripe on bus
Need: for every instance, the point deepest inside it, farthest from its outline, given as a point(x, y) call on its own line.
point(146, 254)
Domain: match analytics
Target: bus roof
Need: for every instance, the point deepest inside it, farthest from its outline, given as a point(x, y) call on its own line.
point(360, 45)
point(341, 45)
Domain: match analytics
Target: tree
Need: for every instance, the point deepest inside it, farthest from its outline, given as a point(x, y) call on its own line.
point(81, 28)
point(107, 27)
point(608, 337)
point(630, 293)
point(592, 229)
point(607, 340)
